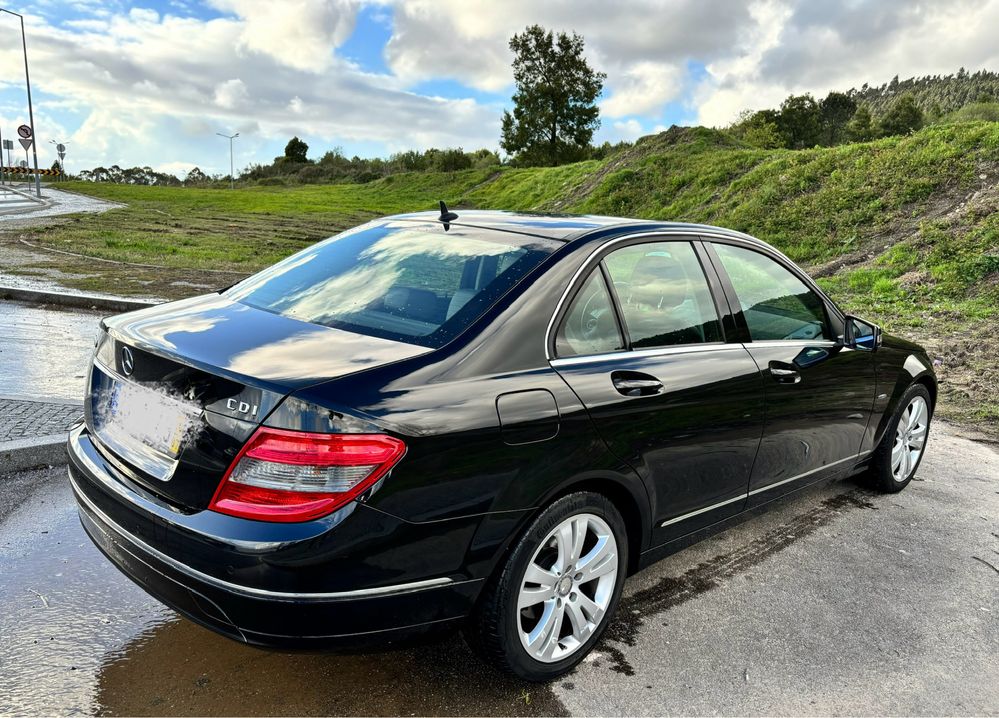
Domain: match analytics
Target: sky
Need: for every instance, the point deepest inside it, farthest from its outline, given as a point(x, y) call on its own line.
point(150, 83)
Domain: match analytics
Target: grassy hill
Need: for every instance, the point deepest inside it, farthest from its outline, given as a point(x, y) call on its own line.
point(904, 230)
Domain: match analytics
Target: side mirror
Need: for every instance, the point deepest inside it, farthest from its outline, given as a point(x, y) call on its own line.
point(861, 334)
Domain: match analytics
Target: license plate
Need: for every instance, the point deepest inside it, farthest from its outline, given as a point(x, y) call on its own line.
point(150, 417)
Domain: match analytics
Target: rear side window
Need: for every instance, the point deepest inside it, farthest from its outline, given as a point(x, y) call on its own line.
point(397, 280)
point(776, 304)
point(589, 326)
point(665, 298)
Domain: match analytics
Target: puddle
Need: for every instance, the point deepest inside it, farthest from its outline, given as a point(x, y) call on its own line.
point(78, 638)
point(672, 591)
point(183, 669)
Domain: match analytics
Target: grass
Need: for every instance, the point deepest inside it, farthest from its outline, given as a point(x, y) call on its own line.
point(903, 230)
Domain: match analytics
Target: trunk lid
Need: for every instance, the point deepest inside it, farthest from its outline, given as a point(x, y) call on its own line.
point(176, 390)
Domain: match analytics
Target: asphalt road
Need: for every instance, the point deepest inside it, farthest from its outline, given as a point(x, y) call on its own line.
point(838, 601)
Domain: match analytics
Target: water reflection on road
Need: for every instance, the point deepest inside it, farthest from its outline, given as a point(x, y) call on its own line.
point(77, 637)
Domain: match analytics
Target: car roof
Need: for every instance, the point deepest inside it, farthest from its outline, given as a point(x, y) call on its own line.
point(563, 227)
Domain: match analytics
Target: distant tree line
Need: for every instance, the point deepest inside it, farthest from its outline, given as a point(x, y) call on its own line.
point(858, 115)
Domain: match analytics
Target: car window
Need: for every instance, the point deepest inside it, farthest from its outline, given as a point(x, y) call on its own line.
point(664, 295)
point(397, 280)
point(590, 325)
point(776, 304)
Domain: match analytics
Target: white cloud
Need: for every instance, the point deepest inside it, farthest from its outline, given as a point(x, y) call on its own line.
point(299, 33)
point(643, 89)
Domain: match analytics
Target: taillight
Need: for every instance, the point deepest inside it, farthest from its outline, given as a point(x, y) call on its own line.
point(285, 475)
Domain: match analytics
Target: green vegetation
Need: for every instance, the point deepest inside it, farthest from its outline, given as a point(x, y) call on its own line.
point(902, 230)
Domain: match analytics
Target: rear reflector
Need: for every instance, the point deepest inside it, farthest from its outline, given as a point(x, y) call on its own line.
point(288, 476)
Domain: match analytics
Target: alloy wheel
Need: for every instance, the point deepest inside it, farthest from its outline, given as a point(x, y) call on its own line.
point(567, 588)
point(910, 438)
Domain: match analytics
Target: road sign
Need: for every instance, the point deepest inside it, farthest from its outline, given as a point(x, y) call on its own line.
point(24, 131)
point(8, 144)
point(61, 148)
point(25, 143)
point(62, 155)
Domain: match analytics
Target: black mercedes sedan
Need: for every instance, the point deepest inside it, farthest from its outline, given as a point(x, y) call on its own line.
point(482, 420)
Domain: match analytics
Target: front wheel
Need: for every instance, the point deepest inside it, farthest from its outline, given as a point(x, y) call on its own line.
point(901, 449)
point(558, 590)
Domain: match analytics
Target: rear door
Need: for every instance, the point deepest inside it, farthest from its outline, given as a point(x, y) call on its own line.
point(819, 394)
point(641, 342)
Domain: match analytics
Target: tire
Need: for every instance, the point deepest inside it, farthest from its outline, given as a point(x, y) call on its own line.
point(579, 603)
point(896, 460)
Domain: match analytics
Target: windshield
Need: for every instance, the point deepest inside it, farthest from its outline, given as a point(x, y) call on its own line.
point(398, 280)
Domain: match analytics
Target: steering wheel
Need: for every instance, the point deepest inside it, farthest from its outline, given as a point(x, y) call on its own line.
point(594, 322)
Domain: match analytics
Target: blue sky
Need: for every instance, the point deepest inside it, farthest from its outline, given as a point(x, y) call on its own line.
point(149, 83)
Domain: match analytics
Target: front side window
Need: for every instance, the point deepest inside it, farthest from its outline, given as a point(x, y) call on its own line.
point(665, 298)
point(589, 326)
point(397, 280)
point(776, 304)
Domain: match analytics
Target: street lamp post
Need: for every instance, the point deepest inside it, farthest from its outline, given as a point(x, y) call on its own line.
point(31, 113)
point(232, 181)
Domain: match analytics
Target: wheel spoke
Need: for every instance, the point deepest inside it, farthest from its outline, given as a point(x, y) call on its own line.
point(540, 633)
point(551, 641)
point(533, 596)
point(541, 576)
point(581, 626)
point(601, 560)
point(579, 528)
point(590, 608)
point(916, 415)
point(563, 542)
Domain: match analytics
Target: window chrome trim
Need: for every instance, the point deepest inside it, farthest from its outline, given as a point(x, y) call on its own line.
point(666, 235)
point(641, 353)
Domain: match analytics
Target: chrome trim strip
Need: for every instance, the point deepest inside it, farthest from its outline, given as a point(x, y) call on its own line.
point(740, 497)
point(801, 476)
point(249, 590)
point(640, 353)
point(824, 343)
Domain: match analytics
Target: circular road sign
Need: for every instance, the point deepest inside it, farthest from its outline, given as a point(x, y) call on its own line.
point(24, 131)
point(60, 147)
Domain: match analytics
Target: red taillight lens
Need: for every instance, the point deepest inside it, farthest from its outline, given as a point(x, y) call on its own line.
point(296, 476)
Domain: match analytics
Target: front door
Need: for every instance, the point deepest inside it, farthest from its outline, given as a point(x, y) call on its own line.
point(642, 346)
point(819, 393)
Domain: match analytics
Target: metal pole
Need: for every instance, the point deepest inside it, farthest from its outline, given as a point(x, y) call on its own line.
point(31, 112)
point(1, 158)
point(232, 180)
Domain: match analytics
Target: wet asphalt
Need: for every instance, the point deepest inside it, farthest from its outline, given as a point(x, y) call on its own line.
point(44, 350)
point(837, 601)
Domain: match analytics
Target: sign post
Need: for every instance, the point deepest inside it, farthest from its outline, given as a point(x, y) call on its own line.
point(2, 146)
point(27, 83)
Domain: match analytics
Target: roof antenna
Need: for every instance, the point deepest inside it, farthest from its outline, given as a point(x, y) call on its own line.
point(446, 216)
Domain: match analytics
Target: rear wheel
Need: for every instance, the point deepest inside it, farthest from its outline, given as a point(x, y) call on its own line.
point(557, 591)
point(901, 450)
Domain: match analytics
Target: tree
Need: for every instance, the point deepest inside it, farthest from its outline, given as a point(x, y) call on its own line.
point(837, 108)
point(901, 118)
point(296, 150)
point(860, 128)
point(800, 121)
point(554, 115)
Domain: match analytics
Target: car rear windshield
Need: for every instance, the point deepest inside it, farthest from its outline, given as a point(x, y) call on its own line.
point(400, 280)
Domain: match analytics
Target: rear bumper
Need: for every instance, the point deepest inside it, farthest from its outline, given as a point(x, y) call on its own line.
point(349, 618)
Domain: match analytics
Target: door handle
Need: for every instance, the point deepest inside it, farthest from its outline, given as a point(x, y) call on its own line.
point(636, 384)
point(783, 374)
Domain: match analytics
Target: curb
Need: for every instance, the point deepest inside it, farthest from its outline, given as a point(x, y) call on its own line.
point(67, 299)
point(20, 454)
